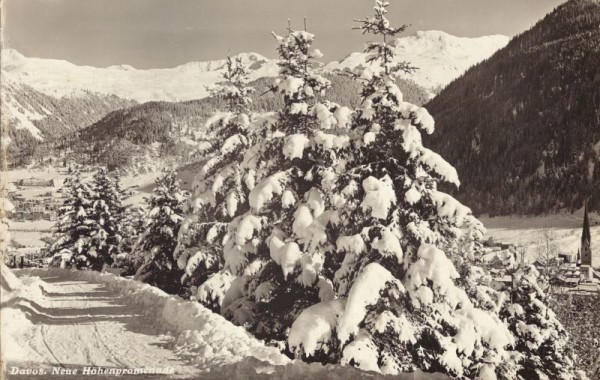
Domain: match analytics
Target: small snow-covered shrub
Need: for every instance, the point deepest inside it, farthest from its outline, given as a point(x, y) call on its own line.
point(541, 340)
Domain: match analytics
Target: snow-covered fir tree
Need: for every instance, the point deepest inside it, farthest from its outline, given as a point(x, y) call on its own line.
point(133, 226)
point(220, 190)
point(74, 224)
point(157, 242)
point(541, 340)
point(272, 248)
point(108, 213)
point(399, 304)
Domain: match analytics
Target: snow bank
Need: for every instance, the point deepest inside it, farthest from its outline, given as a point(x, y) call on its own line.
point(11, 290)
point(222, 350)
point(207, 337)
point(8, 281)
point(19, 324)
point(252, 369)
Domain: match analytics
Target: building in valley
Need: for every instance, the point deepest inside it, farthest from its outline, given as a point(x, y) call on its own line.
point(586, 267)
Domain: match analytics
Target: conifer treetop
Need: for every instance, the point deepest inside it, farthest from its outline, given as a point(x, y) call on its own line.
point(235, 89)
point(382, 51)
point(297, 82)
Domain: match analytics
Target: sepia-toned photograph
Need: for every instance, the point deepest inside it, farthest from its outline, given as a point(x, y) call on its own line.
point(300, 189)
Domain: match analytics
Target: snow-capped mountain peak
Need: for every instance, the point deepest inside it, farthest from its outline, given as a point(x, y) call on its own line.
point(59, 78)
point(440, 57)
point(11, 55)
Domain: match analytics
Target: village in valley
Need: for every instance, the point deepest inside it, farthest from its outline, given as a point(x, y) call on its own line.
point(43, 206)
point(565, 271)
point(34, 197)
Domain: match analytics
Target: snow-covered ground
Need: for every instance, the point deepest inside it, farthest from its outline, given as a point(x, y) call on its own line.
point(529, 231)
point(29, 234)
point(30, 240)
point(56, 318)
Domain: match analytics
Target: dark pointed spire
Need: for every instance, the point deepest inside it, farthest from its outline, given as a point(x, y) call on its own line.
point(586, 236)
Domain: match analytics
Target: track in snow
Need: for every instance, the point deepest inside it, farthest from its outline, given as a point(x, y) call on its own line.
point(84, 324)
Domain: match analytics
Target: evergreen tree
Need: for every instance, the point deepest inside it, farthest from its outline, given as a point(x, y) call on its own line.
point(400, 245)
point(269, 248)
point(159, 239)
point(74, 225)
point(541, 339)
point(108, 212)
point(133, 226)
point(220, 191)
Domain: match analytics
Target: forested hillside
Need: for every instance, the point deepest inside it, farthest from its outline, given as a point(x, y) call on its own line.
point(523, 127)
point(35, 118)
point(165, 129)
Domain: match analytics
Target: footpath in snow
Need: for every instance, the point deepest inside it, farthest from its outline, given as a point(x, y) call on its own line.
point(61, 321)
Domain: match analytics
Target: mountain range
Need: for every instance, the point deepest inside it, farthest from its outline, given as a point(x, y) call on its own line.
point(44, 99)
point(59, 78)
point(439, 56)
point(523, 127)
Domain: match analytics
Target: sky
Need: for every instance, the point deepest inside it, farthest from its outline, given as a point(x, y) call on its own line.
point(167, 33)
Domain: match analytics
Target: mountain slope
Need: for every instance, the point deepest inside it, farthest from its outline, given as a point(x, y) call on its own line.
point(149, 134)
point(143, 137)
point(523, 127)
point(439, 57)
point(33, 117)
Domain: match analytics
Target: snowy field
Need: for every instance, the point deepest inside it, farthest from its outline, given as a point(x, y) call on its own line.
point(29, 233)
point(28, 239)
point(72, 319)
point(529, 231)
